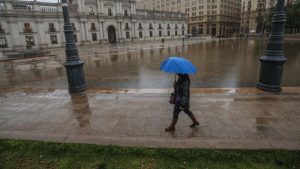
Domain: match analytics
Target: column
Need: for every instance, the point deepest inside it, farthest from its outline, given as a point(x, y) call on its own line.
point(61, 32)
point(132, 9)
point(101, 32)
point(86, 31)
point(82, 32)
point(134, 29)
point(99, 9)
point(120, 7)
point(80, 7)
point(83, 5)
point(102, 6)
point(12, 34)
point(121, 30)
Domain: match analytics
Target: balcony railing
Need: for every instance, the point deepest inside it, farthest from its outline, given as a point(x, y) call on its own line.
point(93, 29)
point(2, 30)
point(27, 30)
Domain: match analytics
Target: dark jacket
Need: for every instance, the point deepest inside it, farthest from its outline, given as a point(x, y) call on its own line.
point(182, 90)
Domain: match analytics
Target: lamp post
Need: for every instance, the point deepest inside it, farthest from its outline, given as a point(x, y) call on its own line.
point(73, 64)
point(273, 60)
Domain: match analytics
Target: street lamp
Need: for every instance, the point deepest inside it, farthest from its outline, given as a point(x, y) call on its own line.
point(73, 64)
point(273, 60)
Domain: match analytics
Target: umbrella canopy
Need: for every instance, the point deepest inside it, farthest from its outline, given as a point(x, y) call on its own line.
point(178, 65)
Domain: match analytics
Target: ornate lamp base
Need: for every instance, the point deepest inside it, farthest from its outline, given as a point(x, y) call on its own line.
point(271, 73)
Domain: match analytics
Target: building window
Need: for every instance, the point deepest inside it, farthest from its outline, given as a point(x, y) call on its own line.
point(140, 34)
point(140, 26)
point(127, 35)
point(182, 33)
point(151, 34)
point(125, 12)
point(73, 25)
point(159, 26)
point(159, 33)
point(1, 29)
point(75, 37)
point(93, 27)
point(29, 41)
point(3, 42)
point(94, 36)
point(150, 26)
point(126, 26)
point(109, 12)
point(168, 33)
point(175, 33)
point(53, 39)
point(27, 28)
point(51, 27)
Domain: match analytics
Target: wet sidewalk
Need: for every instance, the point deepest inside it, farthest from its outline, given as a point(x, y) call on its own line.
point(229, 118)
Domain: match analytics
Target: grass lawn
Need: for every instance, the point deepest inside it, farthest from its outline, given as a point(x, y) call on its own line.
point(35, 154)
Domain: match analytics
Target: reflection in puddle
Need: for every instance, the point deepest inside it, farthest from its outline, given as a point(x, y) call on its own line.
point(81, 109)
point(225, 63)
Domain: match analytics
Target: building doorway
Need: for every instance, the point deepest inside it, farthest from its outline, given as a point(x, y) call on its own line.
point(111, 30)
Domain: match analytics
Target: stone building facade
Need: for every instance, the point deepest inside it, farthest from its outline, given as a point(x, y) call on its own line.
point(219, 18)
point(251, 9)
point(40, 24)
point(205, 17)
point(162, 5)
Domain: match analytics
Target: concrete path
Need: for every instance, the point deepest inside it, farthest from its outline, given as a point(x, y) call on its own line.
point(229, 118)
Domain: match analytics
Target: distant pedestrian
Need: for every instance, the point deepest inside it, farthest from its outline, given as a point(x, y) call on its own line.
point(181, 100)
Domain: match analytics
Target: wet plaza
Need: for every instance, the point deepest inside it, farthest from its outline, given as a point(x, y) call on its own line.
point(127, 98)
point(227, 63)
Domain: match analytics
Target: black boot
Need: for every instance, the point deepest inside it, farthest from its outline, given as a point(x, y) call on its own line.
point(172, 126)
point(195, 121)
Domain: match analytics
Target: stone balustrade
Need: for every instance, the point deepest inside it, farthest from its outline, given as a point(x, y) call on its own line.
point(14, 7)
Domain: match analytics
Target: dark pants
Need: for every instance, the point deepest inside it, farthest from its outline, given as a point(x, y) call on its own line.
point(178, 108)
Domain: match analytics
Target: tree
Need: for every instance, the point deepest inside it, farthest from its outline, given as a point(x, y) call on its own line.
point(293, 17)
point(292, 24)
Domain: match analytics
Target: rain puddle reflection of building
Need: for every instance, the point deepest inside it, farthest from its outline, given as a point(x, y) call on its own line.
point(227, 63)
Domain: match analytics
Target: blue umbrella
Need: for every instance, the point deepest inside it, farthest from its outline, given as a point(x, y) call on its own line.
point(178, 65)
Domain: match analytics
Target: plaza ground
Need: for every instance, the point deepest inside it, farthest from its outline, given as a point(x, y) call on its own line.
point(239, 118)
point(126, 104)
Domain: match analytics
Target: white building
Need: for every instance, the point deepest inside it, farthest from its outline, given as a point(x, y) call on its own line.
point(40, 24)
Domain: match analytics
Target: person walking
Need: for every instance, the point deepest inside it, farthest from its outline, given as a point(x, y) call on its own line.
point(181, 100)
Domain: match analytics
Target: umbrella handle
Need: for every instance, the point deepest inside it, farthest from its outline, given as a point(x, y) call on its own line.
point(174, 78)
